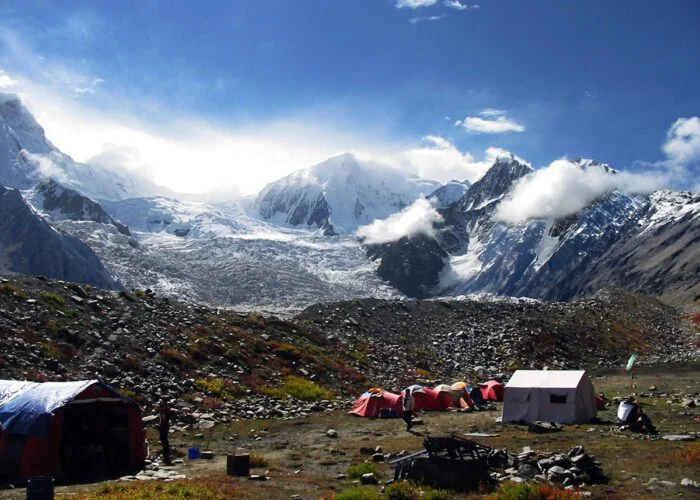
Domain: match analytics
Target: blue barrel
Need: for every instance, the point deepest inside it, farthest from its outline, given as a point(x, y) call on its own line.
point(193, 453)
point(40, 488)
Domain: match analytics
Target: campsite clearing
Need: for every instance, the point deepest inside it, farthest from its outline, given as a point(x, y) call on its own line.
point(301, 459)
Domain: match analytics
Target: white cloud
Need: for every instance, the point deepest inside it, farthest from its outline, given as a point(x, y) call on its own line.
point(414, 4)
point(492, 112)
point(491, 121)
point(419, 218)
point(564, 188)
point(683, 141)
point(442, 161)
point(423, 19)
point(457, 5)
point(5, 80)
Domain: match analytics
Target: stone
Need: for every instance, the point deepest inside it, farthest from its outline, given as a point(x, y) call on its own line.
point(679, 437)
point(689, 483)
point(332, 433)
point(527, 471)
point(369, 478)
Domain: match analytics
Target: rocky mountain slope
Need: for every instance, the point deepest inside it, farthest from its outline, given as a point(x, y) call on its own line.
point(234, 364)
point(644, 243)
point(340, 194)
point(60, 203)
point(29, 245)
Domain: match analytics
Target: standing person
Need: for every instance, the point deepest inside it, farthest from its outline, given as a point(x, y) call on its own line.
point(408, 405)
point(164, 415)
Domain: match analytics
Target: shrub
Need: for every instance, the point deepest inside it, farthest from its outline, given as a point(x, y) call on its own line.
point(285, 351)
point(360, 493)
point(402, 490)
point(299, 388)
point(52, 326)
point(60, 352)
point(256, 319)
point(436, 495)
point(517, 491)
point(53, 299)
point(132, 363)
point(204, 488)
point(10, 289)
point(356, 471)
point(220, 388)
point(176, 357)
point(140, 294)
point(128, 393)
point(689, 455)
point(257, 460)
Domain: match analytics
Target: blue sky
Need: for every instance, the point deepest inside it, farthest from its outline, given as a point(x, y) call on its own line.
point(543, 79)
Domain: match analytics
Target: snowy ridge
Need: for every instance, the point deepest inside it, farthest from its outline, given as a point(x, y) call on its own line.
point(27, 157)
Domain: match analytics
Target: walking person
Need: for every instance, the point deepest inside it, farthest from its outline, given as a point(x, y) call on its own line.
point(408, 405)
point(164, 415)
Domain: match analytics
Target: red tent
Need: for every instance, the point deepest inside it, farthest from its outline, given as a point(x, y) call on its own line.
point(492, 390)
point(430, 399)
point(372, 402)
point(68, 429)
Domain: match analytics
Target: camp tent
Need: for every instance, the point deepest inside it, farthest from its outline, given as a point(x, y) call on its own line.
point(372, 402)
point(455, 395)
point(68, 429)
point(563, 396)
point(492, 390)
point(426, 399)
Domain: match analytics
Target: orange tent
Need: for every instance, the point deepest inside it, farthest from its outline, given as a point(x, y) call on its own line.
point(492, 390)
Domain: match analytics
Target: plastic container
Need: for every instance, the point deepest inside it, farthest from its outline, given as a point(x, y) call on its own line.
point(194, 453)
point(238, 465)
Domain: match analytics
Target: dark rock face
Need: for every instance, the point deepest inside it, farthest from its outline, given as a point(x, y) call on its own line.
point(301, 206)
point(29, 245)
point(646, 244)
point(662, 260)
point(497, 181)
point(412, 265)
point(75, 206)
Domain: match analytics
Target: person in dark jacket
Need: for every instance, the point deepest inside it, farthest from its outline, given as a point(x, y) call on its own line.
point(165, 413)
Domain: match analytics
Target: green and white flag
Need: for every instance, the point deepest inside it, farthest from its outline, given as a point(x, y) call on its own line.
point(631, 361)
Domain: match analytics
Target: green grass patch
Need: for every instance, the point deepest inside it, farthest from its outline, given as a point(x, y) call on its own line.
point(299, 388)
point(53, 299)
point(356, 471)
point(203, 488)
point(359, 493)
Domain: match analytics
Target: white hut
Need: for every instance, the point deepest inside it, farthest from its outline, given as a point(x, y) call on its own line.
point(562, 396)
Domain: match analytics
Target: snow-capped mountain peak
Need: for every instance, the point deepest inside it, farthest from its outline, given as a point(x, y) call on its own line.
point(340, 194)
point(27, 157)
